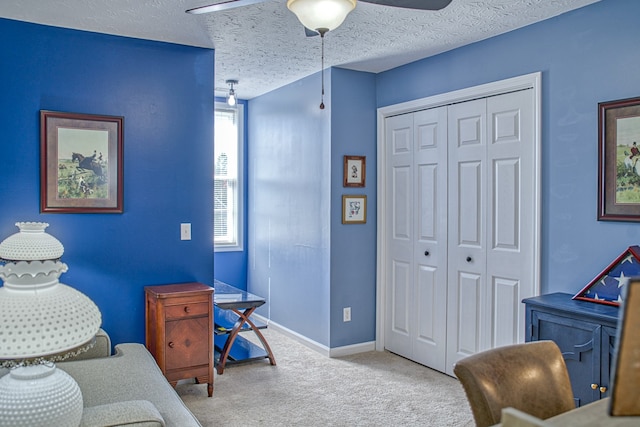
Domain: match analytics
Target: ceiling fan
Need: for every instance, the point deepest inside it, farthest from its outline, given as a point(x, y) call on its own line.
point(407, 4)
point(322, 16)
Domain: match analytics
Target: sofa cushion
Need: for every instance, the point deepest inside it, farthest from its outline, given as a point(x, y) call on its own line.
point(131, 374)
point(138, 413)
point(100, 348)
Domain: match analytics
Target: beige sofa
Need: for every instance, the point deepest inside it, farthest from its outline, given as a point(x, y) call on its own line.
point(125, 389)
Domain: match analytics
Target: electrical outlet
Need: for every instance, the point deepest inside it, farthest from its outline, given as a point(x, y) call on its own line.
point(346, 314)
point(185, 231)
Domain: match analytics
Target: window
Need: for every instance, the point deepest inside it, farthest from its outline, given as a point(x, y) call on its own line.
point(227, 186)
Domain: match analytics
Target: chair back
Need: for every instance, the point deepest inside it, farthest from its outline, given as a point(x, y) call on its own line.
point(626, 369)
point(531, 377)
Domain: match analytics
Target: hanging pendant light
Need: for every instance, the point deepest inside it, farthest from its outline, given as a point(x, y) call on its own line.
point(321, 16)
point(232, 98)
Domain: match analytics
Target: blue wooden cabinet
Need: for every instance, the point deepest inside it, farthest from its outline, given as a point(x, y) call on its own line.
point(584, 331)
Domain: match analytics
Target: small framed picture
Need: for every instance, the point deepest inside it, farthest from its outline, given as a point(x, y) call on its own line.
point(354, 171)
point(618, 155)
point(80, 163)
point(354, 209)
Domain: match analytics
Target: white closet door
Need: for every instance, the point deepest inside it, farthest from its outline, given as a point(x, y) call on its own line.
point(467, 304)
point(399, 226)
point(492, 225)
point(430, 237)
point(417, 274)
point(460, 227)
point(511, 226)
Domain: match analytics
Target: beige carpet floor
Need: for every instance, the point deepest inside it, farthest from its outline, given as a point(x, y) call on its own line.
point(309, 389)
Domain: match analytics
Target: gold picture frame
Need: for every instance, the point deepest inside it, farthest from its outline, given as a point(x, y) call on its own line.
point(354, 209)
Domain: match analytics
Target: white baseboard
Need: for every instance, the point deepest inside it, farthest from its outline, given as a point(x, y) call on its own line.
point(347, 350)
point(322, 349)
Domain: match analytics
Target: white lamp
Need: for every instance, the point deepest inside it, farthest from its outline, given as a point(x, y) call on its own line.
point(321, 15)
point(41, 321)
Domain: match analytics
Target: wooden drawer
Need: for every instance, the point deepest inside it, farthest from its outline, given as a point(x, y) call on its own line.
point(187, 310)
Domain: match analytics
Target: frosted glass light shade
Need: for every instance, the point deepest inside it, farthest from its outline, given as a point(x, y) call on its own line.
point(325, 15)
point(39, 316)
point(44, 320)
point(31, 243)
point(39, 396)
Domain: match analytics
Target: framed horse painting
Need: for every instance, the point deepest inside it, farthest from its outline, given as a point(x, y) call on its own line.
point(80, 163)
point(618, 165)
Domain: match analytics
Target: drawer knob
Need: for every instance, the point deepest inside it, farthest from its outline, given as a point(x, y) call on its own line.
point(426, 253)
point(171, 344)
point(469, 259)
point(603, 389)
point(186, 309)
point(594, 386)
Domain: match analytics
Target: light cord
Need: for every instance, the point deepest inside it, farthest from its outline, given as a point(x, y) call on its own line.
point(322, 72)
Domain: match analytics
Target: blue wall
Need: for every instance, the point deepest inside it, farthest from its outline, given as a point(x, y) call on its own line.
point(302, 258)
point(290, 206)
point(353, 246)
point(231, 267)
point(586, 56)
point(164, 92)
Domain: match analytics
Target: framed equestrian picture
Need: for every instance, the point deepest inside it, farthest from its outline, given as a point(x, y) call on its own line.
point(354, 171)
point(618, 165)
point(80, 163)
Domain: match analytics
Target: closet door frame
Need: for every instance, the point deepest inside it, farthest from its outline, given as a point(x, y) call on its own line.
point(528, 81)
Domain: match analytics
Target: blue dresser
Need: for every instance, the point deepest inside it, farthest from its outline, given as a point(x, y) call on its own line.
point(584, 331)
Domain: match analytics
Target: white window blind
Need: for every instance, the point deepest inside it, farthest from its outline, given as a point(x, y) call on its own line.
point(227, 192)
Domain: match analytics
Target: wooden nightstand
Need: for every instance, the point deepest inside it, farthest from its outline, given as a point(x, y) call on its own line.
point(179, 331)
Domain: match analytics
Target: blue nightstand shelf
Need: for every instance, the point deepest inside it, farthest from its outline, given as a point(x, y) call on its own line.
point(232, 314)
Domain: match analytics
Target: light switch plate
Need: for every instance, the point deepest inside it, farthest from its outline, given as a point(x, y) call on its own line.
point(185, 231)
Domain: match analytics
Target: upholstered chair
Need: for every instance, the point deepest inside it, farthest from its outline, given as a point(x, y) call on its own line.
point(531, 377)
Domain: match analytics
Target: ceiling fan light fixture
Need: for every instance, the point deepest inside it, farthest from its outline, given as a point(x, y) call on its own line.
point(321, 15)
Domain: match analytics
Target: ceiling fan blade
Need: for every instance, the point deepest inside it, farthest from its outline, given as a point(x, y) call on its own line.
point(310, 33)
point(413, 4)
point(222, 5)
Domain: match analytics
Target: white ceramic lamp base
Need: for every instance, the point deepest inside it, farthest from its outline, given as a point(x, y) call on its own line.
point(39, 396)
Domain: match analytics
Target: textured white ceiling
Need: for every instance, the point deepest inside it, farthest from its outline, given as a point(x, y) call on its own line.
point(264, 46)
